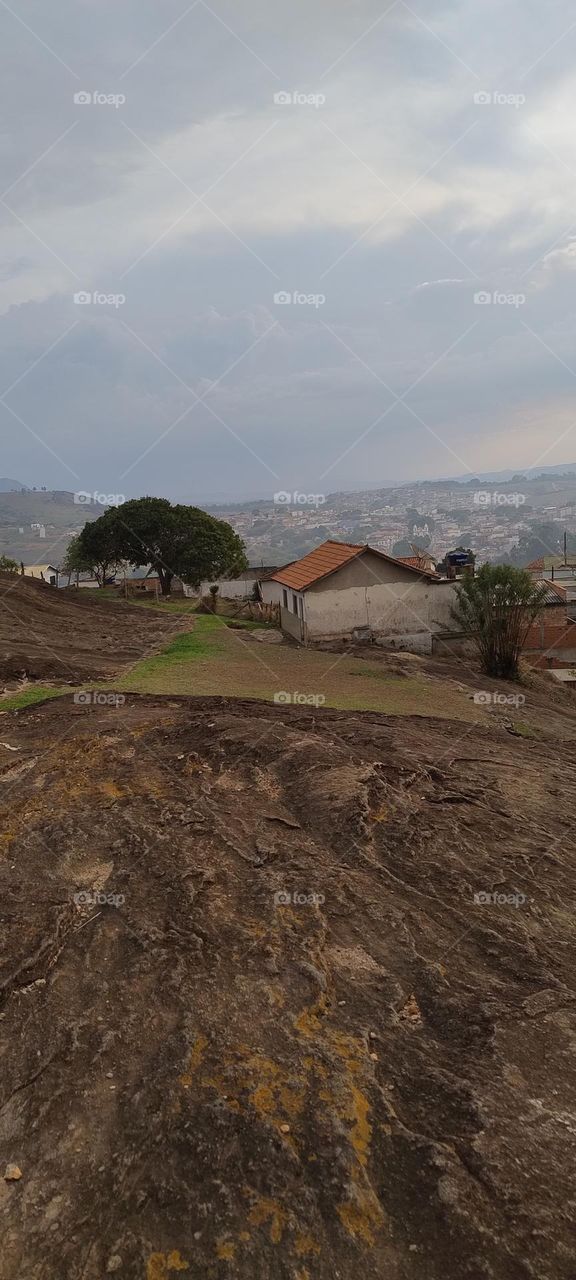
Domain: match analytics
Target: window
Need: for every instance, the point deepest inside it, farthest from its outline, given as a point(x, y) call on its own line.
point(285, 599)
point(294, 603)
point(301, 603)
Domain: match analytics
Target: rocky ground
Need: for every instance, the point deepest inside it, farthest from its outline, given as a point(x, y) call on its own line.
point(285, 994)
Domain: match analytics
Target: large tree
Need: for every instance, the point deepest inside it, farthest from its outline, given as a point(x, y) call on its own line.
point(176, 540)
point(495, 609)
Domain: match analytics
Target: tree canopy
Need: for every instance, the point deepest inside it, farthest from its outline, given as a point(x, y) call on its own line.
point(176, 540)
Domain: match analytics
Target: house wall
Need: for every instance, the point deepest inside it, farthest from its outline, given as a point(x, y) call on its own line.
point(291, 623)
point(271, 592)
point(402, 612)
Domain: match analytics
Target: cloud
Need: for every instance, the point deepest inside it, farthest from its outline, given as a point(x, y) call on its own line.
point(397, 199)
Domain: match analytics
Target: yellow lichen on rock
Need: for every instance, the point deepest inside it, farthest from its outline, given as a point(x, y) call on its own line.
point(161, 1264)
point(266, 1210)
point(196, 1058)
point(226, 1250)
point(305, 1244)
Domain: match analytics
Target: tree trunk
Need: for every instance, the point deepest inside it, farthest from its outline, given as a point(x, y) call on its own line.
point(165, 577)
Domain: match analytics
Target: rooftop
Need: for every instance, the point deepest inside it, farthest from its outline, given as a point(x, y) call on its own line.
point(320, 562)
point(330, 556)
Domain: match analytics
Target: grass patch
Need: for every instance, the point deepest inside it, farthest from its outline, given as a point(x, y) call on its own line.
point(170, 606)
point(247, 624)
point(162, 670)
point(521, 729)
point(27, 697)
point(147, 601)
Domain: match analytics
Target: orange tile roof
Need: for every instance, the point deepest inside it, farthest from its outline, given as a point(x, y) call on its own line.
point(415, 562)
point(317, 564)
point(329, 557)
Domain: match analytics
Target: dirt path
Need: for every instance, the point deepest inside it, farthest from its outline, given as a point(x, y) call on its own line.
point(255, 1023)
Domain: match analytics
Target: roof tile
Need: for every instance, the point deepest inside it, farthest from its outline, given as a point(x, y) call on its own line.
point(332, 555)
point(317, 564)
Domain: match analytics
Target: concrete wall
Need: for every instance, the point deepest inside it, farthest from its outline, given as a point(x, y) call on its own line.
point(272, 592)
point(401, 610)
point(291, 623)
point(229, 588)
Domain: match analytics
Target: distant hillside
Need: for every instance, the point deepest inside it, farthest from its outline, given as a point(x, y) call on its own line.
point(56, 511)
point(6, 485)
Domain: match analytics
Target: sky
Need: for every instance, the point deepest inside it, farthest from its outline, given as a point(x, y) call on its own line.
point(300, 246)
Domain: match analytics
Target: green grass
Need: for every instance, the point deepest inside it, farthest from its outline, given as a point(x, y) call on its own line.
point(247, 624)
point(212, 659)
point(163, 669)
point(27, 698)
point(147, 601)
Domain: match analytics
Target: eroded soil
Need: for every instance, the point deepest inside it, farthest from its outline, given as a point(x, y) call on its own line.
point(292, 1046)
point(71, 635)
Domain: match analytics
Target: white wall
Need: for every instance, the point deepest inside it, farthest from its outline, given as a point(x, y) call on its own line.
point(392, 608)
point(272, 592)
point(229, 588)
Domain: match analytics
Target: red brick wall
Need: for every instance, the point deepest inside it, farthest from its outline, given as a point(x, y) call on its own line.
point(551, 640)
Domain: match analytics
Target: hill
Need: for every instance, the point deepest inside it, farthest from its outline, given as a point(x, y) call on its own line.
point(61, 517)
point(68, 635)
point(285, 993)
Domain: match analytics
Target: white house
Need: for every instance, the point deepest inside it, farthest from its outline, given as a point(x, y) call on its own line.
point(46, 573)
point(343, 590)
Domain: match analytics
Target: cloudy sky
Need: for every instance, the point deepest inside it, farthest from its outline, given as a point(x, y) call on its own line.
point(315, 245)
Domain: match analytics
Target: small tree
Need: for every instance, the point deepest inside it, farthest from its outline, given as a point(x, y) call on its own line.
point(214, 589)
point(8, 565)
point(496, 609)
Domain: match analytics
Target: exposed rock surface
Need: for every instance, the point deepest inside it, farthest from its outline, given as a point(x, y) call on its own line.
point(253, 1021)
